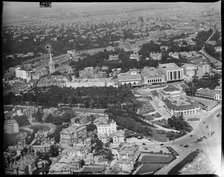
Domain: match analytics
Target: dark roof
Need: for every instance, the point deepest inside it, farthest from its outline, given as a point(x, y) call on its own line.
point(148, 168)
point(155, 158)
point(172, 106)
point(207, 92)
point(93, 169)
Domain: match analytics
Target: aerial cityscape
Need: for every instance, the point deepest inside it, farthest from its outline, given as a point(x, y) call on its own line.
point(112, 88)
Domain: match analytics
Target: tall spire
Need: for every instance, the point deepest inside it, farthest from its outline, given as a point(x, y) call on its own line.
point(51, 63)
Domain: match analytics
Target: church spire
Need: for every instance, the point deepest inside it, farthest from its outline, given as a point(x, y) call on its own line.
point(51, 63)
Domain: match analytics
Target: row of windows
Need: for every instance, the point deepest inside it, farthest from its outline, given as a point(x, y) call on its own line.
point(154, 80)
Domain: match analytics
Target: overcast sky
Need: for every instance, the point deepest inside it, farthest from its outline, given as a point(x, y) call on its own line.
point(15, 9)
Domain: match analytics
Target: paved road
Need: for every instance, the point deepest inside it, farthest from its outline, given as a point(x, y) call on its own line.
point(201, 130)
point(212, 59)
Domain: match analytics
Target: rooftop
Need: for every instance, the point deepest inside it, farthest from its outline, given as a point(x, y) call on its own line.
point(207, 92)
point(128, 77)
point(151, 71)
point(181, 103)
point(169, 66)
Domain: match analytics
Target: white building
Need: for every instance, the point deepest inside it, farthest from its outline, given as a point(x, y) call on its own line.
point(23, 74)
point(202, 69)
point(107, 128)
point(172, 71)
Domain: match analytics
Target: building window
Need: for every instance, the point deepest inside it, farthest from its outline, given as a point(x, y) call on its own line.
point(175, 75)
point(179, 74)
point(171, 76)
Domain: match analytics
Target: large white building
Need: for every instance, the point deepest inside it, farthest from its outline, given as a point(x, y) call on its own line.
point(23, 74)
point(172, 71)
point(106, 128)
point(189, 69)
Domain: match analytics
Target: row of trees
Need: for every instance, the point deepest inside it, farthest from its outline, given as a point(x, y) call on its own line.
point(179, 123)
point(175, 170)
point(210, 49)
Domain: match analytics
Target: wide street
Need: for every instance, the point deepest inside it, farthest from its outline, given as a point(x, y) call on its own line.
point(211, 145)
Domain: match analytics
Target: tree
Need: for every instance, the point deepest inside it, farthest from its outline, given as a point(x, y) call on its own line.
point(54, 150)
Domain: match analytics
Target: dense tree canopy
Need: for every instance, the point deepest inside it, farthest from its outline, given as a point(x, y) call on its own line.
point(179, 123)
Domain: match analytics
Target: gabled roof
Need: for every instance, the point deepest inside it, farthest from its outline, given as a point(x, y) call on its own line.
point(207, 92)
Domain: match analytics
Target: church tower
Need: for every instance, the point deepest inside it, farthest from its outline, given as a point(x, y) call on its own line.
point(51, 63)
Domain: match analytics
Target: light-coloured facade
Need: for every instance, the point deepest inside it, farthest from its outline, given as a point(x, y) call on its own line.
point(202, 69)
point(20, 73)
point(132, 77)
point(11, 126)
point(182, 105)
point(128, 154)
point(189, 69)
point(51, 65)
point(156, 56)
point(107, 128)
point(118, 136)
point(152, 76)
point(172, 71)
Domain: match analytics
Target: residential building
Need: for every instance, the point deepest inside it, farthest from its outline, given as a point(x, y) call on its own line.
point(135, 55)
point(209, 94)
point(128, 153)
point(156, 56)
point(113, 57)
point(172, 71)
point(73, 134)
point(218, 49)
point(152, 76)
point(174, 55)
point(11, 126)
point(118, 136)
